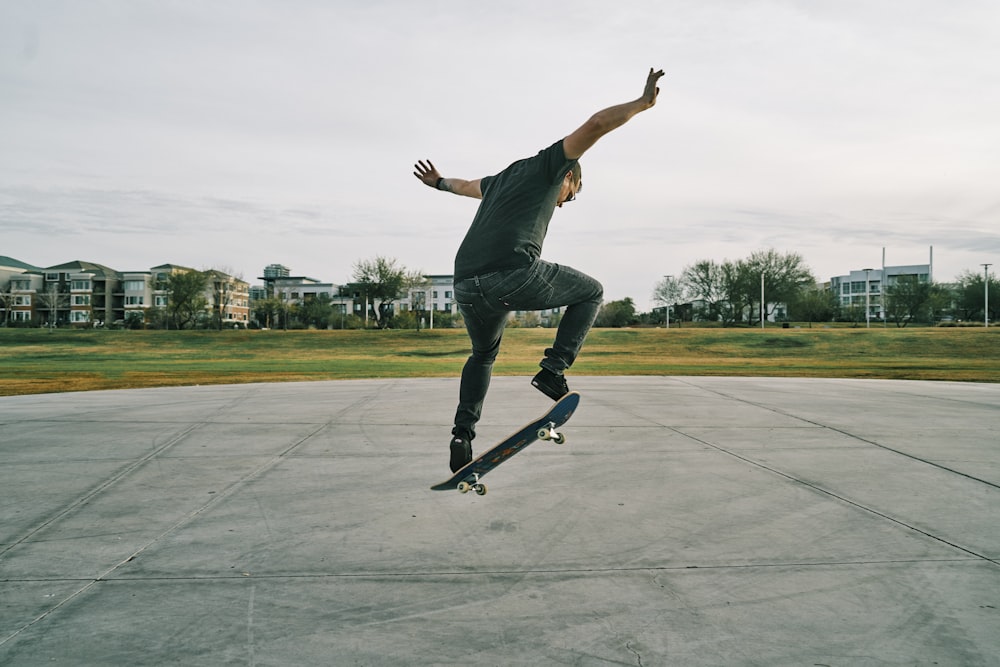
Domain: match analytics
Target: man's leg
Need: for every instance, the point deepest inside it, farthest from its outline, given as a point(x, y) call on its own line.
point(485, 334)
point(476, 374)
point(556, 286)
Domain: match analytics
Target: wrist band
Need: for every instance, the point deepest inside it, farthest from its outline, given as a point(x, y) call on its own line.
point(438, 184)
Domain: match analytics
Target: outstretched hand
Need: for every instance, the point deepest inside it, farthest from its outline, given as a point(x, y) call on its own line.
point(427, 173)
point(651, 91)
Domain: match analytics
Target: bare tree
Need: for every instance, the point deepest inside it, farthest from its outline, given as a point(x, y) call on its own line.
point(53, 301)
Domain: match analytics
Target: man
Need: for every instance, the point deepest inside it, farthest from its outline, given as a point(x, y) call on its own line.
point(498, 267)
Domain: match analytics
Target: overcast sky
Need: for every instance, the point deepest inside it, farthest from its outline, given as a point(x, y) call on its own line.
point(233, 134)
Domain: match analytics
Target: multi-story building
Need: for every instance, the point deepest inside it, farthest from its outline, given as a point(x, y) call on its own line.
point(78, 293)
point(435, 295)
point(865, 288)
point(87, 294)
point(19, 284)
point(137, 296)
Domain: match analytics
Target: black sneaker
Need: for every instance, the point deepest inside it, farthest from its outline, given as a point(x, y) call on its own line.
point(550, 384)
point(461, 453)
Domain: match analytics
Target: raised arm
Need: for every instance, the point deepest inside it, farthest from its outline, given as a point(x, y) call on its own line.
point(611, 118)
point(430, 176)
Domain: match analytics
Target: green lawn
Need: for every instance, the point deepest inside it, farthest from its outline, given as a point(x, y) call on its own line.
point(39, 361)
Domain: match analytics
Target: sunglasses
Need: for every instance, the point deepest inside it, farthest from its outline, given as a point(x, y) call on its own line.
point(572, 194)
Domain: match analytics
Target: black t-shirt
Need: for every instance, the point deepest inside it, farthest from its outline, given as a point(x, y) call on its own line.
point(514, 214)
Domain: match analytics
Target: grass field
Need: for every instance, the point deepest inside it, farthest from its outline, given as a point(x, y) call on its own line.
point(40, 361)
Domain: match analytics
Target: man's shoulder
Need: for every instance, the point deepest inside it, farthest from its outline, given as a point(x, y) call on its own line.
point(548, 162)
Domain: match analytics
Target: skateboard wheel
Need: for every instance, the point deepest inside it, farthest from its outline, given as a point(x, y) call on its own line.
point(480, 489)
point(559, 438)
point(463, 487)
point(544, 434)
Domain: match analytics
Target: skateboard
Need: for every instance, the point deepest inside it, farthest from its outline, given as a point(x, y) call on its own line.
point(468, 478)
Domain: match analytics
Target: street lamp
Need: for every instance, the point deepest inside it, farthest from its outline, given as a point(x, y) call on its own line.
point(986, 294)
point(666, 295)
point(868, 291)
point(762, 307)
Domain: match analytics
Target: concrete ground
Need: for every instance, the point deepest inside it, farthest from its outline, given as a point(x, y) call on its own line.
point(688, 521)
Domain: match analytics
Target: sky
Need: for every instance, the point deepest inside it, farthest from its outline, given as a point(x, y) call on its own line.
point(234, 134)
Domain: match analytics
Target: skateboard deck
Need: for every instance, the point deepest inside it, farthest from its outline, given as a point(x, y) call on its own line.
point(544, 428)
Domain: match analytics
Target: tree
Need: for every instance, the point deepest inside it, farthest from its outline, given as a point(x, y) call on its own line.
point(668, 292)
point(730, 291)
point(186, 297)
point(739, 285)
point(267, 312)
point(223, 285)
point(316, 311)
point(617, 314)
point(813, 305)
point(53, 300)
point(971, 295)
point(415, 280)
point(6, 301)
point(784, 276)
point(909, 299)
point(382, 281)
point(704, 282)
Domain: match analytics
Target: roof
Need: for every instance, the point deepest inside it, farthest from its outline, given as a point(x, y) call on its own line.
point(81, 266)
point(11, 263)
point(171, 267)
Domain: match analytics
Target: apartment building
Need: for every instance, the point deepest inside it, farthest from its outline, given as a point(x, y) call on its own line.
point(19, 285)
point(86, 294)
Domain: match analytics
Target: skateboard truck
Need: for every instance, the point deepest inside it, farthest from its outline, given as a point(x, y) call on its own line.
point(549, 432)
point(472, 483)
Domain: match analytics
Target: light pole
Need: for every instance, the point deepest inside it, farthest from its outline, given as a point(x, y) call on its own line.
point(762, 310)
point(986, 294)
point(868, 290)
point(666, 295)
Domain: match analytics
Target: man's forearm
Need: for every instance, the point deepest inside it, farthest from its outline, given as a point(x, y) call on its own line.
point(606, 120)
point(460, 186)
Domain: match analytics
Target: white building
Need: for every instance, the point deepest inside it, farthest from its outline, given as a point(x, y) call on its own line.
point(863, 288)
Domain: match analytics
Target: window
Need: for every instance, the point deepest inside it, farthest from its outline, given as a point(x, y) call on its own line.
point(135, 285)
point(80, 316)
point(21, 316)
point(160, 301)
point(134, 300)
point(52, 277)
point(81, 299)
point(80, 286)
point(447, 295)
point(22, 300)
point(22, 285)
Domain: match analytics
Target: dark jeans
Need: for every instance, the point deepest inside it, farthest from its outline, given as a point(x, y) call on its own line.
point(485, 302)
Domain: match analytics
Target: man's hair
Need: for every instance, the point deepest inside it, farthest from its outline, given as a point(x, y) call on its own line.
point(577, 174)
